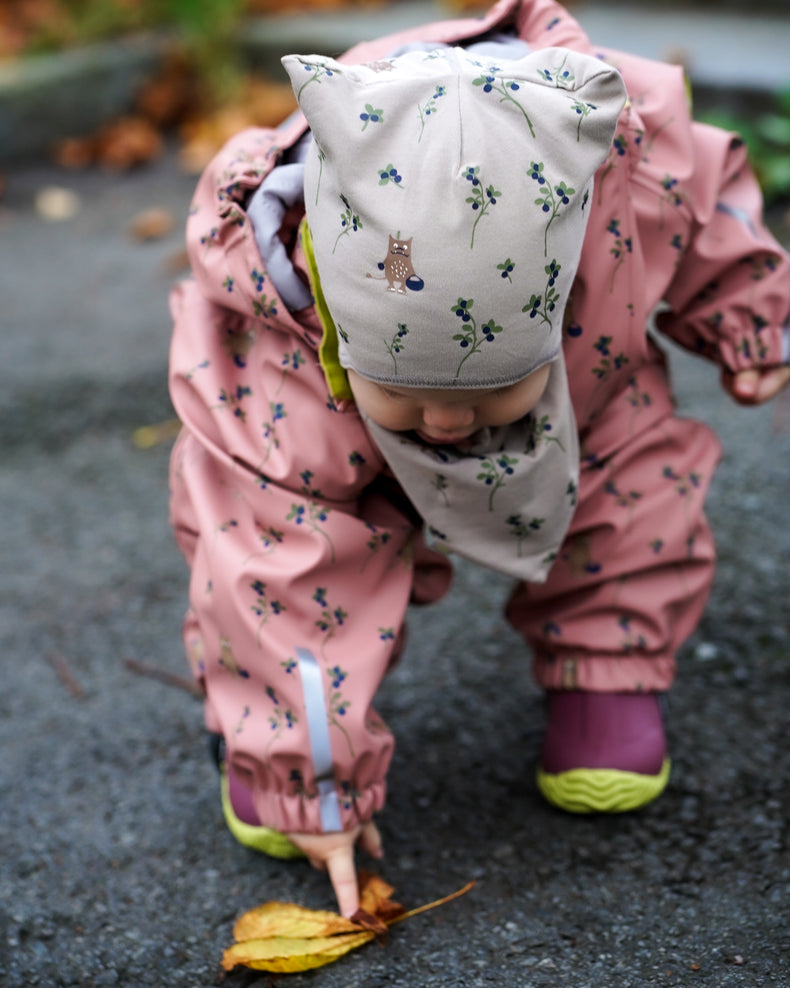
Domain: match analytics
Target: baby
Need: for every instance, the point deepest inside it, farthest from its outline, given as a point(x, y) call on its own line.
point(418, 329)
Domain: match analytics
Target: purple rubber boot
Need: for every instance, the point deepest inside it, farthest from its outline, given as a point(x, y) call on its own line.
point(603, 752)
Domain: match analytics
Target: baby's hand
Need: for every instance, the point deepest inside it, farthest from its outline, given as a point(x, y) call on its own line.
point(753, 387)
point(335, 853)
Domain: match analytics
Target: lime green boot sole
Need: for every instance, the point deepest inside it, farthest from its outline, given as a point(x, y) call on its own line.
point(262, 839)
point(601, 790)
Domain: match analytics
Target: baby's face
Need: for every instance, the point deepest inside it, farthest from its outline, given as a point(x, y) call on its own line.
point(447, 415)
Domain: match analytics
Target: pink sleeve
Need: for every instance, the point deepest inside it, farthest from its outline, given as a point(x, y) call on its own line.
point(300, 572)
point(223, 253)
point(730, 297)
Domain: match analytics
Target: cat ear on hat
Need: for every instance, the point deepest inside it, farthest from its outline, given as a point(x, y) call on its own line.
point(306, 70)
point(322, 86)
point(590, 95)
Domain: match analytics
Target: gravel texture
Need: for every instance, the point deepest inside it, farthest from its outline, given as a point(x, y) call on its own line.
point(116, 867)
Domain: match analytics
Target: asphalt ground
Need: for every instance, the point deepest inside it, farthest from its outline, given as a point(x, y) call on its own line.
point(116, 868)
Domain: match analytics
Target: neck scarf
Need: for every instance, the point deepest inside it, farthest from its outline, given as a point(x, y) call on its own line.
point(506, 496)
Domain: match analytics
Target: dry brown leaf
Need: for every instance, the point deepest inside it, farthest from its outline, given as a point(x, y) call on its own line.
point(268, 103)
point(166, 98)
point(260, 104)
point(12, 37)
point(169, 100)
point(75, 152)
point(24, 21)
point(152, 224)
point(302, 6)
point(283, 937)
point(375, 897)
point(458, 7)
point(128, 142)
point(203, 136)
point(176, 261)
point(369, 922)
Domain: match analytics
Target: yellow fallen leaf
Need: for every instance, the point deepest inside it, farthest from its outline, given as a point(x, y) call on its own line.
point(286, 919)
point(287, 955)
point(283, 937)
point(148, 436)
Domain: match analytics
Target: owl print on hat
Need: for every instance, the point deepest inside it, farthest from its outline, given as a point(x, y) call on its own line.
point(398, 267)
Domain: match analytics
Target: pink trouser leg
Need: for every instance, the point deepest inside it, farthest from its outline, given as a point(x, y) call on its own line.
point(633, 577)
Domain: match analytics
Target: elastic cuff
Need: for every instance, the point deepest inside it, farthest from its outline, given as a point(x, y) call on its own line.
point(604, 673)
point(749, 352)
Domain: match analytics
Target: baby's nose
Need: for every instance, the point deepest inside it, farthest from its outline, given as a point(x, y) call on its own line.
point(448, 417)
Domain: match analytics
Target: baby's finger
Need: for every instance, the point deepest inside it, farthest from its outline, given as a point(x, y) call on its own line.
point(370, 840)
point(753, 386)
point(773, 382)
point(343, 875)
point(742, 387)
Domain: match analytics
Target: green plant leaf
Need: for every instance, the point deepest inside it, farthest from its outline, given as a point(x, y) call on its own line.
point(774, 129)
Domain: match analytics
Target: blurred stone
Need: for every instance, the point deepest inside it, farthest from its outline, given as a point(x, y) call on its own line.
point(56, 204)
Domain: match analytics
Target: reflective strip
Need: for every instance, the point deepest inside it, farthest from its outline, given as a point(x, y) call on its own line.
point(320, 746)
point(737, 214)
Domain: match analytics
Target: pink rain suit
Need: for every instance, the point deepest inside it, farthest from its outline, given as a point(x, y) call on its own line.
point(304, 552)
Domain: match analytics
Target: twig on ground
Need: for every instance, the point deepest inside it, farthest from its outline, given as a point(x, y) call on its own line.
point(163, 676)
point(65, 675)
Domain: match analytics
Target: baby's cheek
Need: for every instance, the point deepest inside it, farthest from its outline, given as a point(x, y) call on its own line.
point(502, 411)
point(403, 420)
point(391, 415)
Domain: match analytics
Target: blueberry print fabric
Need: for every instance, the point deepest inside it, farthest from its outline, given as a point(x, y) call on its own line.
point(296, 536)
